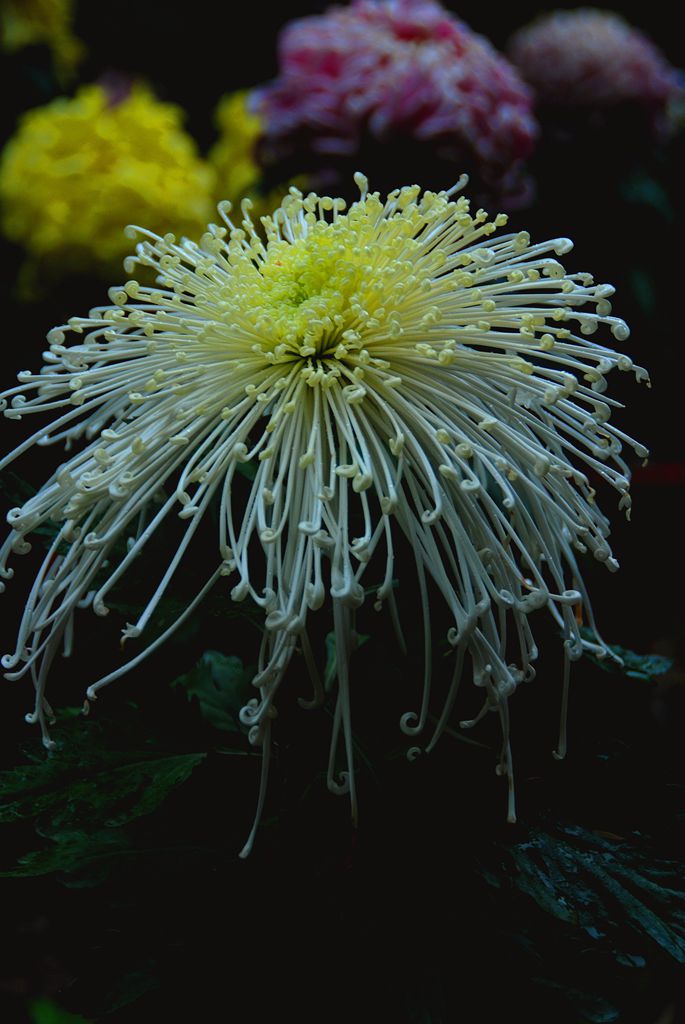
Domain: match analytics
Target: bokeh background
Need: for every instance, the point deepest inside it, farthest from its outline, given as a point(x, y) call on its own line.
point(420, 917)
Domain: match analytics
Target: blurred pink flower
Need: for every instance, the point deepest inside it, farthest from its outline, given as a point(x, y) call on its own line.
point(595, 59)
point(388, 70)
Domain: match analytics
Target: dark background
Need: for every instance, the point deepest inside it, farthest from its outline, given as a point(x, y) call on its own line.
point(395, 923)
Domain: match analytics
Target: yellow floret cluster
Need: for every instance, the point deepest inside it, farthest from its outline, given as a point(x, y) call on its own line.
point(79, 170)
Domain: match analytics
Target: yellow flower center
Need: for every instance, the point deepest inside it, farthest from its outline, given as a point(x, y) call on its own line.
point(336, 290)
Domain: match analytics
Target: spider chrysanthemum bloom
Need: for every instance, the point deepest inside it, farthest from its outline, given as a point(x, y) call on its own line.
point(399, 368)
point(380, 72)
point(593, 59)
point(78, 170)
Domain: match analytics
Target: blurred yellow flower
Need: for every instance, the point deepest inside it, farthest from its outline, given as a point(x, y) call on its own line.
point(31, 22)
point(237, 173)
point(233, 155)
point(79, 170)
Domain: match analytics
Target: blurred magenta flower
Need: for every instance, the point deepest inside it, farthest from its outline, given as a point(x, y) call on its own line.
point(380, 71)
point(595, 59)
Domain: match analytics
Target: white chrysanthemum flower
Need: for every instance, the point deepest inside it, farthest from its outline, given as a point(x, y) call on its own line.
point(395, 367)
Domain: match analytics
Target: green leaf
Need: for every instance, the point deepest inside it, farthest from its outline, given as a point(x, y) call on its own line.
point(81, 796)
point(112, 797)
point(71, 852)
point(248, 470)
point(642, 189)
point(637, 666)
point(13, 488)
point(588, 882)
point(331, 661)
point(130, 988)
point(594, 1008)
point(44, 1011)
point(17, 491)
point(221, 685)
point(331, 668)
point(643, 287)
point(169, 609)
